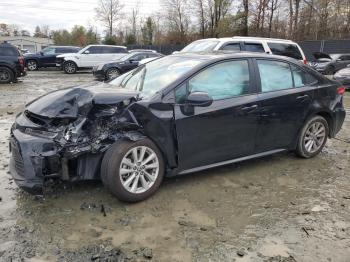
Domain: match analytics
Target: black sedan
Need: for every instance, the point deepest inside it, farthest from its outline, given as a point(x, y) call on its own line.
point(179, 114)
point(343, 76)
point(328, 64)
point(111, 70)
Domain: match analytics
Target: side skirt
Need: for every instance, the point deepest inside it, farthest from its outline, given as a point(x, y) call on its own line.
point(196, 169)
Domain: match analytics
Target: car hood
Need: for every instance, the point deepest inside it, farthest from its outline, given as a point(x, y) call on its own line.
point(74, 101)
point(319, 55)
point(66, 55)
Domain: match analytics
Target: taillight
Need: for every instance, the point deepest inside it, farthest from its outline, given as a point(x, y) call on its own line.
point(21, 61)
point(341, 90)
point(305, 62)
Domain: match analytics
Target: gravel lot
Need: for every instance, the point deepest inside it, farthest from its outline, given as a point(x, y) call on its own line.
point(279, 208)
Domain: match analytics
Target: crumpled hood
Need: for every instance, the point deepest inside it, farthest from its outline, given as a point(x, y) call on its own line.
point(68, 102)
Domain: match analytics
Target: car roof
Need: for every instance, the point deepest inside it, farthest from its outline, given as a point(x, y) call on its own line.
point(64, 46)
point(219, 55)
point(110, 46)
point(238, 38)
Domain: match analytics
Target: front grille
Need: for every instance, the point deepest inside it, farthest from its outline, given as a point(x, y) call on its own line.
point(19, 165)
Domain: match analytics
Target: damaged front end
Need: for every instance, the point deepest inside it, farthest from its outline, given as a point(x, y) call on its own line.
point(65, 133)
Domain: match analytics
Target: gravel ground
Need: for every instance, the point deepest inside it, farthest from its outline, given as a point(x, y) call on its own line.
point(279, 208)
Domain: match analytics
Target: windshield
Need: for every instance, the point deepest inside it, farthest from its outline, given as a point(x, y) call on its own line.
point(199, 46)
point(126, 57)
point(334, 56)
point(152, 77)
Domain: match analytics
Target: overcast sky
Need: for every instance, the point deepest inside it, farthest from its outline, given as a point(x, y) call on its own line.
point(62, 14)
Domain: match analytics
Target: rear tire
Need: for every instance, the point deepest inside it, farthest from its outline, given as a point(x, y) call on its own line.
point(6, 75)
point(132, 170)
point(32, 65)
point(313, 137)
point(69, 67)
point(329, 71)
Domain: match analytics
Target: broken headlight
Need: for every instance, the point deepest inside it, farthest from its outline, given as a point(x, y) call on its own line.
point(40, 133)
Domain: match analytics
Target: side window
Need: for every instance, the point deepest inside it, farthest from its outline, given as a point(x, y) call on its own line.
point(49, 51)
point(180, 94)
point(224, 80)
point(254, 47)
point(116, 50)
point(8, 51)
point(274, 75)
point(232, 47)
point(345, 58)
point(95, 50)
point(139, 57)
point(285, 50)
point(302, 78)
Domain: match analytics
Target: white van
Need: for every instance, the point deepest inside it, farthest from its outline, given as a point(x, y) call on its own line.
point(251, 44)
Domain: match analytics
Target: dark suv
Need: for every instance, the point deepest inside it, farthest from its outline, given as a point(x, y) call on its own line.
point(11, 63)
point(47, 56)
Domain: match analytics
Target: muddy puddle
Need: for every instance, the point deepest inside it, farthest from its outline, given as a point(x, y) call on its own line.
point(278, 208)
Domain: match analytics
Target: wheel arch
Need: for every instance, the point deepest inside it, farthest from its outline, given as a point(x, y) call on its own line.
point(328, 116)
point(134, 136)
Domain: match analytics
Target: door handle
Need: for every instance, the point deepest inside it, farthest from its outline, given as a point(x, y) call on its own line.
point(302, 97)
point(249, 108)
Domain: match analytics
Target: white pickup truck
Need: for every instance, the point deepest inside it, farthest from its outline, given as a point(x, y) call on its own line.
point(89, 56)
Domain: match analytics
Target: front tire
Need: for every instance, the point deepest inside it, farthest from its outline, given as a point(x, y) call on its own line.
point(70, 67)
point(132, 171)
point(32, 65)
point(6, 75)
point(112, 73)
point(313, 137)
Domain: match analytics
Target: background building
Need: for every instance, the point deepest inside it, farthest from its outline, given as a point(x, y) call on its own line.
point(32, 44)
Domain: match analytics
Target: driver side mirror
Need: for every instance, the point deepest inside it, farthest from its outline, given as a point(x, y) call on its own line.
point(87, 52)
point(198, 98)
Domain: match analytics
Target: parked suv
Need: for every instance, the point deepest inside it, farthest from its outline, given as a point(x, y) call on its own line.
point(11, 63)
point(251, 44)
point(47, 56)
point(90, 56)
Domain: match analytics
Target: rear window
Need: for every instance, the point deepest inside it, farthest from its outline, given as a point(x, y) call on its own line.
point(8, 51)
point(289, 50)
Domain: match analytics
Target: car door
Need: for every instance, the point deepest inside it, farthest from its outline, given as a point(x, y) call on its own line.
point(224, 130)
point(48, 57)
point(90, 57)
point(286, 94)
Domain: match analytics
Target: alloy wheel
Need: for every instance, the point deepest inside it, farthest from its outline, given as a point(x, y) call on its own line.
point(69, 67)
point(139, 169)
point(32, 65)
point(314, 137)
point(4, 76)
point(112, 73)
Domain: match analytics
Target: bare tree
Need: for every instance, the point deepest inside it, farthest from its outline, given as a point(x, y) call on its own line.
point(108, 12)
point(245, 17)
